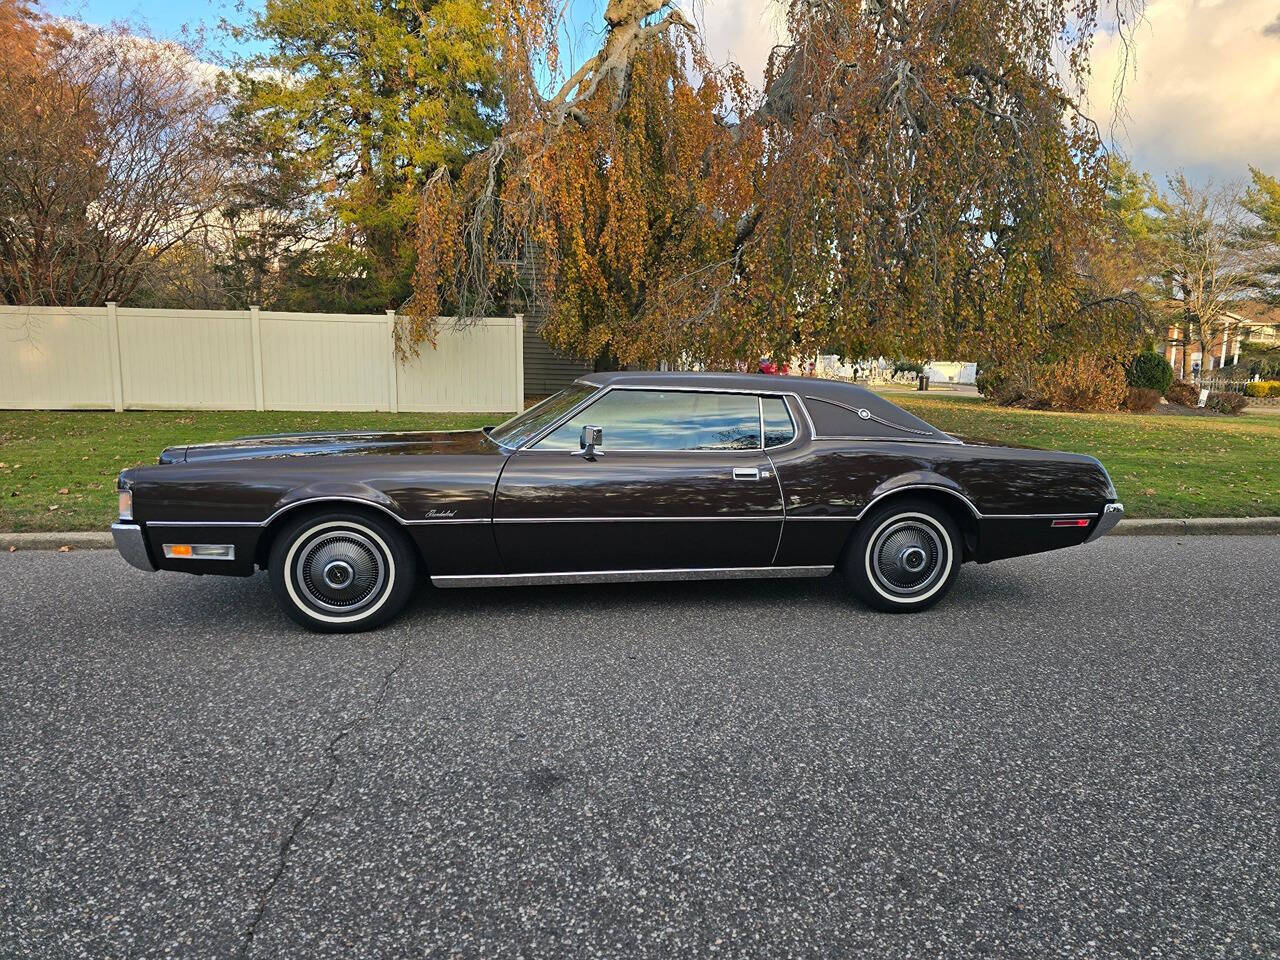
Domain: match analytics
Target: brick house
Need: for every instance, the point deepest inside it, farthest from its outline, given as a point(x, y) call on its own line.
point(1255, 324)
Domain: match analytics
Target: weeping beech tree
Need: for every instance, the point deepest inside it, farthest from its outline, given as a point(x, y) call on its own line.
point(915, 177)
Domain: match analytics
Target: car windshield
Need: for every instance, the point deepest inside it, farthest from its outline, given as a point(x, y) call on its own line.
point(524, 426)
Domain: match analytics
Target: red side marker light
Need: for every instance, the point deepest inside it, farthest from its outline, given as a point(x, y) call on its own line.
point(1079, 522)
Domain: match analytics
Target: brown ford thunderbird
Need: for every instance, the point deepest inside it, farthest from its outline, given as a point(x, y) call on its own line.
point(620, 477)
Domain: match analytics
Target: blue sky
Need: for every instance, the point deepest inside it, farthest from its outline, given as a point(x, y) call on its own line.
point(1201, 97)
point(164, 19)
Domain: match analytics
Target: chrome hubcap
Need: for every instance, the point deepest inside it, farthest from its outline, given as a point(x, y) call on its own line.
point(907, 557)
point(341, 571)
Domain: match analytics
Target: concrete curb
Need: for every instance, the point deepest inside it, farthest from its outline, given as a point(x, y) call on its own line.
point(83, 540)
point(1199, 526)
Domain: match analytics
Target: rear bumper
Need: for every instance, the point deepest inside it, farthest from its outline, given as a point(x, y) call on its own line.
point(1112, 514)
point(131, 545)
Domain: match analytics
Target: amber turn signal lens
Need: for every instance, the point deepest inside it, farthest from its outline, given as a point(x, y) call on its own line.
point(201, 551)
point(126, 504)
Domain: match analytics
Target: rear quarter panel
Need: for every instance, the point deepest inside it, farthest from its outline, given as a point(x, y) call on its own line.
point(828, 484)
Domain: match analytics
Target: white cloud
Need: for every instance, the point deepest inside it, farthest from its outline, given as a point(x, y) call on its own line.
point(743, 31)
point(1203, 92)
point(1201, 95)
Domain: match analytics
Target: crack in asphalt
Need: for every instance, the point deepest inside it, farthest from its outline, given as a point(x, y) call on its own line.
point(309, 811)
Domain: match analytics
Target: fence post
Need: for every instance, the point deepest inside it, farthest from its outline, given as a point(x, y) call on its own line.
point(113, 350)
point(519, 398)
point(393, 371)
point(255, 329)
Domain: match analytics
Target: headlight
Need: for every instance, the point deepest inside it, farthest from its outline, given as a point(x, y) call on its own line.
point(126, 504)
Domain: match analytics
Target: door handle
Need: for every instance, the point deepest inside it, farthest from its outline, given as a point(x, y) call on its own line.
point(746, 473)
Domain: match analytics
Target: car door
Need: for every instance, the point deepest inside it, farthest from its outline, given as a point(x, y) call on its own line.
point(680, 481)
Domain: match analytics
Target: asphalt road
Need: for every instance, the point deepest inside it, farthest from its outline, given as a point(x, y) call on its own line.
point(1075, 755)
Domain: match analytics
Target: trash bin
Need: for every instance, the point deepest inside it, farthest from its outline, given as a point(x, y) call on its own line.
point(922, 382)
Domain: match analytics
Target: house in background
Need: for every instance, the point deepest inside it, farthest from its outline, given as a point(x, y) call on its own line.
point(546, 369)
point(1257, 323)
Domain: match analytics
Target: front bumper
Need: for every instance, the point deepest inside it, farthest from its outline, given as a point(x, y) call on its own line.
point(1112, 514)
point(132, 545)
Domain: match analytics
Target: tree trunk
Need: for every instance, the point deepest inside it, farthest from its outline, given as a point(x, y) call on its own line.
point(605, 361)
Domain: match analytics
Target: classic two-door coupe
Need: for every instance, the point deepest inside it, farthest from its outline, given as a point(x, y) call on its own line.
point(622, 476)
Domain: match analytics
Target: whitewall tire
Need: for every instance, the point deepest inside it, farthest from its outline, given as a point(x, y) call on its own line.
point(904, 556)
point(342, 572)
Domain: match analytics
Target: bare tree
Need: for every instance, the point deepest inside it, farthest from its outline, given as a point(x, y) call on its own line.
point(108, 160)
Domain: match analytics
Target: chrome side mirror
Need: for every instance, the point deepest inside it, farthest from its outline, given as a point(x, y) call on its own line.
point(592, 437)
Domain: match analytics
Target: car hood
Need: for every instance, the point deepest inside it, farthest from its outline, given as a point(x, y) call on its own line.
point(353, 443)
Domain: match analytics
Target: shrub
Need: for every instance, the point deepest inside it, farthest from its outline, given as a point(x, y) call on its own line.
point(1080, 383)
point(908, 366)
point(1000, 385)
point(1262, 388)
point(1183, 394)
point(1141, 399)
point(1149, 370)
point(1228, 403)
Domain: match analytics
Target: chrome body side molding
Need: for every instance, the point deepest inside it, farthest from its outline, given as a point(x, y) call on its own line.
point(629, 576)
point(773, 518)
point(973, 508)
point(313, 500)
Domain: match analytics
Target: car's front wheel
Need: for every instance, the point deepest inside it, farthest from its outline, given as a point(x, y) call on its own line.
point(904, 556)
point(342, 572)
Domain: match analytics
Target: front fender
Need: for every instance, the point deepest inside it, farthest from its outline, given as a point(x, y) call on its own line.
point(336, 492)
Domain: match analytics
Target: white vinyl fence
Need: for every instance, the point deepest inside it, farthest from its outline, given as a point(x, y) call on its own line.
point(118, 358)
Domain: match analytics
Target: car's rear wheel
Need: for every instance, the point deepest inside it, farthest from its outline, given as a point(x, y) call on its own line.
point(342, 572)
point(904, 556)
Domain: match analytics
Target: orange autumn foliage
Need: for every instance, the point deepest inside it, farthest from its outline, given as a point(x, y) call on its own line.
point(912, 178)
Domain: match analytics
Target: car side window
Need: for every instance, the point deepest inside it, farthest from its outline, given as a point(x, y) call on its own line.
point(665, 420)
point(778, 428)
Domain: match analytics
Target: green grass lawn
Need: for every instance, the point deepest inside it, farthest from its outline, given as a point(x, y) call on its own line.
point(58, 469)
point(1162, 466)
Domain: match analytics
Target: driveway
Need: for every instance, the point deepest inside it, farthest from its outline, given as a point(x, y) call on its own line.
point(1075, 755)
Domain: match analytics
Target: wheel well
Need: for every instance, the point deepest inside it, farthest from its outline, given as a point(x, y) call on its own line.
point(950, 504)
point(262, 552)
